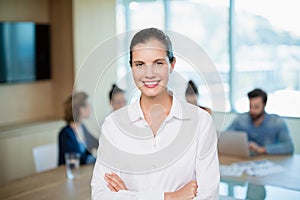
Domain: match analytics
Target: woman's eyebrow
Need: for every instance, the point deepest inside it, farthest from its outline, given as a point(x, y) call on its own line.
point(155, 60)
point(159, 59)
point(138, 61)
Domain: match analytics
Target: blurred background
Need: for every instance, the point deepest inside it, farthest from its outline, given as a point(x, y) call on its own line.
point(43, 44)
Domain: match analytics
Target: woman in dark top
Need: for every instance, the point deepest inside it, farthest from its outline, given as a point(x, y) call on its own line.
point(75, 137)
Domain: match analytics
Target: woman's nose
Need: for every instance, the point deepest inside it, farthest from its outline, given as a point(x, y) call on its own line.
point(150, 71)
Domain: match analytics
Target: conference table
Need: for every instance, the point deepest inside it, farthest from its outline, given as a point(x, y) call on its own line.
point(281, 185)
point(53, 184)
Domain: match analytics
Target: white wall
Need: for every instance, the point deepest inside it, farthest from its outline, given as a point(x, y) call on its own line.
point(222, 121)
point(40, 100)
point(12, 109)
point(16, 147)
point(94, 22)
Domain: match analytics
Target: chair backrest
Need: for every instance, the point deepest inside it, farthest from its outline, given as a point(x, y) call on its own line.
point(45, 157)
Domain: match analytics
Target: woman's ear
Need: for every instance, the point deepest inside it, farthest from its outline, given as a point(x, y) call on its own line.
point(173, 64)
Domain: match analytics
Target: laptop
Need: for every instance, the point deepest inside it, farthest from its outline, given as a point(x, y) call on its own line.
point(234, 143)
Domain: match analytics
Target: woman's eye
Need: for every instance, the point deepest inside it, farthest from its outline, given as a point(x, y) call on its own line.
point(139, 65)
point(159, 64)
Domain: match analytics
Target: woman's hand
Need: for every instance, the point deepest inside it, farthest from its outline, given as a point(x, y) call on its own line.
point(114, 182)
point(187, 192)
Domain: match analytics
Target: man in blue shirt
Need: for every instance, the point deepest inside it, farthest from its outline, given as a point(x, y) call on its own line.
point(267, 133)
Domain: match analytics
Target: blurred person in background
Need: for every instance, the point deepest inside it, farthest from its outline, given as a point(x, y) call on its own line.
point(75, 137)
point(267, 133)
point(116, 97)
point(192, 94)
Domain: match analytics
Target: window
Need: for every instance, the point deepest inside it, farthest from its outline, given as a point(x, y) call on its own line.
point(251, 46)
point(267, 54)
point(191, 19)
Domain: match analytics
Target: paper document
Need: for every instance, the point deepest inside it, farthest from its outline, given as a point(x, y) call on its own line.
point(229, 170)
point(252, 168)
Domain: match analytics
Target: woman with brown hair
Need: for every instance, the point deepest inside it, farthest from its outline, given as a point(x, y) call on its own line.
point(75, 137)
point(158, 147)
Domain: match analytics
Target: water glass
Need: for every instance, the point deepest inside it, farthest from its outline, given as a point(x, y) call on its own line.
point(72, 164)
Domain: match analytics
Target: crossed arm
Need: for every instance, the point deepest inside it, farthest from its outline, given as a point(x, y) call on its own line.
point(187, 192)
point(108, 184)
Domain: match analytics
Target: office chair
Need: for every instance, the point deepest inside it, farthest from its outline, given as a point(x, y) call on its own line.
point(45, 157)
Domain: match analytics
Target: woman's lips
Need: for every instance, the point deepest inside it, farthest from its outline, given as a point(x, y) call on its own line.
point(151, 84)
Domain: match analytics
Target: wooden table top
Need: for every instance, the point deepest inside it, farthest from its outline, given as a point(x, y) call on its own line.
point(52, 184)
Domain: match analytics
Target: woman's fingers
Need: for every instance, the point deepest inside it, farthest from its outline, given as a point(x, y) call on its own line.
point(110, 184)
point(195, 190)
point(188, 191)
point(194, 186)
point(111, 188)
point(119, 181)
point(115, 185)
point(115, 182)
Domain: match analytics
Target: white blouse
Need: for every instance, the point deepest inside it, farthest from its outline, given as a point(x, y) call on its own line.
point(184, 149)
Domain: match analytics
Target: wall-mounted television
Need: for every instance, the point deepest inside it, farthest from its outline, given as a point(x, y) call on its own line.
point(24, 52)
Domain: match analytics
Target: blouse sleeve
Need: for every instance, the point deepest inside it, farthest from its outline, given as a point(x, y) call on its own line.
point(207, 162)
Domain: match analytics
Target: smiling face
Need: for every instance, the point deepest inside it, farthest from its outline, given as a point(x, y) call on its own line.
point(151, 68)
